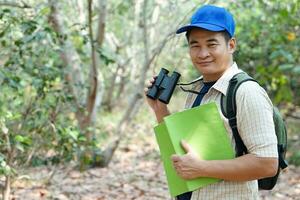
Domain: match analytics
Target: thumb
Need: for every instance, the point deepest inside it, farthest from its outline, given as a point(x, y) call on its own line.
point(186, 146)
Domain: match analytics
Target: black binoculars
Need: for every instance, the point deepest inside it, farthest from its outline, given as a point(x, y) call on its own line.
point(163, 87)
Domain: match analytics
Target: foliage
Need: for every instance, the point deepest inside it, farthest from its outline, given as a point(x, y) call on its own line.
point(35, 107)
point(268, 45)
point(268, 36)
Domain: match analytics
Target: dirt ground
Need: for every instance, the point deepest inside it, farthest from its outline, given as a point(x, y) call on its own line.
point(135, 173)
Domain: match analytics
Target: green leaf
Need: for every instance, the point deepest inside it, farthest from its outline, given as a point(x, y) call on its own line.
point(286, 67)
point(74, 134)
point(19, 138)
point(2, 34)
point(296, 70)
point(6, 10)
point(82, 139)
point(45, 11)
point(19, 43)
point(284, 13)
point(25, 140)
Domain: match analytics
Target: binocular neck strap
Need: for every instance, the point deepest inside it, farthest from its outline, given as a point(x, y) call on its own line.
point(190, 83)
point(191, 91)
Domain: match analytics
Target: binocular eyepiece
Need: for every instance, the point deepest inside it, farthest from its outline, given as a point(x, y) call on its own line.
point(164, 85)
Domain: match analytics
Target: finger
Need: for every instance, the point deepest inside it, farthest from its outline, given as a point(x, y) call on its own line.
point(175, 158)
point(149, 83)
point(177, 168)
point(153, 79)
point(146, 90)
point(180, 174)
point(186, 146)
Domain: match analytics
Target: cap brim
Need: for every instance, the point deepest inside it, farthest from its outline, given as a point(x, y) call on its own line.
point(209, 27)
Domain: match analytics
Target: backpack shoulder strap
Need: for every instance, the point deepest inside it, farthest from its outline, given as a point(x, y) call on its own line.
point(228, 107)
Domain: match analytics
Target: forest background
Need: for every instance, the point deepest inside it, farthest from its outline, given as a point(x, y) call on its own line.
point(72, 75)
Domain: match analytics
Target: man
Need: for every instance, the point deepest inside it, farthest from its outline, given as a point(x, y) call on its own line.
point(210, 36)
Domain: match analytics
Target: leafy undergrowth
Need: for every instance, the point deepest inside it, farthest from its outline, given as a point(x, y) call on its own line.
point(134, 173)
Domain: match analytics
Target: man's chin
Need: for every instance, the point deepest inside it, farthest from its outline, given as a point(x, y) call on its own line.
point(206, 71)
point(206, 68)
point(204, 65)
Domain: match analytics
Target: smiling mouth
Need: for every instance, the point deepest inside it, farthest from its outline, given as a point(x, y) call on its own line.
point(205, 63)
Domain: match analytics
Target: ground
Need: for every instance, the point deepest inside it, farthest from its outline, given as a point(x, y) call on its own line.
point(135, 173)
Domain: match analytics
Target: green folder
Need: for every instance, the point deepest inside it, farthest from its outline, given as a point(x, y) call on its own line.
point(203, 129)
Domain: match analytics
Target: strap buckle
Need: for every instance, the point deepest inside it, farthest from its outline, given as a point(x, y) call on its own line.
point(232, 122)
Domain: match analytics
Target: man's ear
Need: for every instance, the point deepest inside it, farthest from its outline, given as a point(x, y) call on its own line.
point(232, 45)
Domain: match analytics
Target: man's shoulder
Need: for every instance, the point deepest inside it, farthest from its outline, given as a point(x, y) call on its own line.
point(250, 88)
point(250, 92)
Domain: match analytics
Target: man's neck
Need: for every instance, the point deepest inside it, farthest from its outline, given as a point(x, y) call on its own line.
point(215, 77)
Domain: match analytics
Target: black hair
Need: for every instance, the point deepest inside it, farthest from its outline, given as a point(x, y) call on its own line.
point(224, 33)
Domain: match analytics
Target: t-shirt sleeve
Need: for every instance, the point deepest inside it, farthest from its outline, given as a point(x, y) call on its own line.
point(255, 120)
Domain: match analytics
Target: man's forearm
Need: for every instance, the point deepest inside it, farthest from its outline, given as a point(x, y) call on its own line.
point(161, 114)
point(244, 168)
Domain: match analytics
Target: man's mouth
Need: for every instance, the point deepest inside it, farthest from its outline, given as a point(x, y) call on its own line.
point(205, 62)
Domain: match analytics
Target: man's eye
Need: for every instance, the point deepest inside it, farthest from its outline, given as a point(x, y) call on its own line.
point(212, 45)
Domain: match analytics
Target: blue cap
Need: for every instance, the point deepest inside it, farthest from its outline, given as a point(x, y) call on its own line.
point(211, 18)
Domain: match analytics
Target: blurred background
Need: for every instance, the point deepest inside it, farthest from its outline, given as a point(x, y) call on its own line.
point(73, 119)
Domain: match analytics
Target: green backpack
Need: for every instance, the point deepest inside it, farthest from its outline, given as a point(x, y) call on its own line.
point(228, 107)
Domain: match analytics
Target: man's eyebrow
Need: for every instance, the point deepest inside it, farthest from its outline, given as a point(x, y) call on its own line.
point(212, 40)
point(192, 41)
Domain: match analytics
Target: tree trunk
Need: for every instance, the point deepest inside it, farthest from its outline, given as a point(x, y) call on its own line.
point(71, 60)
point(10, 158)
point(112, 98)
point(96, 87)
point(134, 104)
point(110, 90)
point(86, 107)
point(101, 22)
point(6, 190)
point(121, 87)
point(80, 7)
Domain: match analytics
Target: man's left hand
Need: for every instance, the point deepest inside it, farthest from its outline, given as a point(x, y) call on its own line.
point(189, 165)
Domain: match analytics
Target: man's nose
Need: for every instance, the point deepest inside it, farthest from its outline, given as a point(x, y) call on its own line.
point(203, 53)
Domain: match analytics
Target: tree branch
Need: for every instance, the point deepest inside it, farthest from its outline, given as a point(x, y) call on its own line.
point(14, 4)
point(96, 87)
point(101, 22)
point(70, 58)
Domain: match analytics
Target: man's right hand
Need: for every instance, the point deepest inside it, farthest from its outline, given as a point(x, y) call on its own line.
point(160, 109)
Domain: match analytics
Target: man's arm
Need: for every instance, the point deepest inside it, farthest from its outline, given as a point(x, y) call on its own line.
point(161, 113)
point(244, 168)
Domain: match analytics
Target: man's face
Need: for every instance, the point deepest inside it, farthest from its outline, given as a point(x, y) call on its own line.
point(210, 53)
